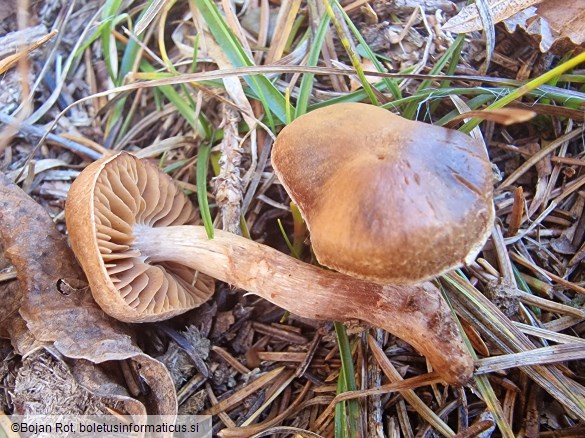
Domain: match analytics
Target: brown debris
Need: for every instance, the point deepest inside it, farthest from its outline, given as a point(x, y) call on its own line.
point(72, 322)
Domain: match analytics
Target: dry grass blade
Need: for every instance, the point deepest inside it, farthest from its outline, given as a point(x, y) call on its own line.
point(549, 305)
point(538, 356)
point(497, 328)
point(568, 284)
point(243, 432)
point(488, 22)
point(149, 15)
point(476, 429)
point(10, 61)
point(239, 396)
point(10, 42)
point(232, 361)
point(286, 380)
point(301, 433)
point(225, 418)
point(548, 334)
point(402, 385)
point(284, 22)
point(521, 170)
point(420, 406)
point(279, 333)
point(280, 356)
point(9, 275)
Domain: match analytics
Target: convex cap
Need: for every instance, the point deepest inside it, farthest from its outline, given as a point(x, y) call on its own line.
point(386, 198)
point(106, 202)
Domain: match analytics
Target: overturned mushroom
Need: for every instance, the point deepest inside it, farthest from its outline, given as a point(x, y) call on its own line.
point(386, 198)
point(112, 200)
point(119, 232)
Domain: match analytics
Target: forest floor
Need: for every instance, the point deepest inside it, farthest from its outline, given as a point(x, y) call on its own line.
point(202, 89)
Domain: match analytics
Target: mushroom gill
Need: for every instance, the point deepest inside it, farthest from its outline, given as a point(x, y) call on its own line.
point(130, 195)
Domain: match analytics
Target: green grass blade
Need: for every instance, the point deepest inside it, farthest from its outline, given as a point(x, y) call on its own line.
point(185, 108)
point(390, 83)
point(526, 88)
point(287, 240)
point(202, 164)
point(353, 56)
point(347, 377)
point(272, 99)
point(110, 19)
point(306, 86)
point(340, 409)
point(451, 56)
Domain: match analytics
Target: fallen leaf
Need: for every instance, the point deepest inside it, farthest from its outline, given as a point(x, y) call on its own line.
point(532, 25)
point(56, 306)
point(565, 17)
point(558, 25)
point(12, 326)
point(10, 297)
point(503, 116)
point(367, 65)
point(468, 19)
point(77, 326)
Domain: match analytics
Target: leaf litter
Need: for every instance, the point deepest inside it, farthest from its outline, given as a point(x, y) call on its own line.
point(55, 305)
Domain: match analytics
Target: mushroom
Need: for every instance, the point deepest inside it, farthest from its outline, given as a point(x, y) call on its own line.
point(386, 198)
point(125, 220)
point(107, 206)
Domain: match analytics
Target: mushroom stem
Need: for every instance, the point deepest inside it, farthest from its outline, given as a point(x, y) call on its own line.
point(418, 313)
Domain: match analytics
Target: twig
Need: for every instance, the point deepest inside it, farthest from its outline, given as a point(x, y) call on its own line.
point(37, 131)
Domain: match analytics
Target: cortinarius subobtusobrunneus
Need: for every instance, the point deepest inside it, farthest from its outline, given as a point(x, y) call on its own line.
point(386, 198)
point(110, 200)
point(114, 229)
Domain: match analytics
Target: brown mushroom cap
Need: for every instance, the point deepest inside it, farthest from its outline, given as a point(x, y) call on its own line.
point(386, 198)
point(106, 202)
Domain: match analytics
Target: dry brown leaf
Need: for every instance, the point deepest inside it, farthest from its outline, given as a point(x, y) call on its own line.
point(56, 309)
point(468, 19)
point(10, 297)
point(12, 326)
point(367, 65)
point(565, 17)
point(557, 24)
point(533, 25)
point(45, 264)
point(503, 116)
